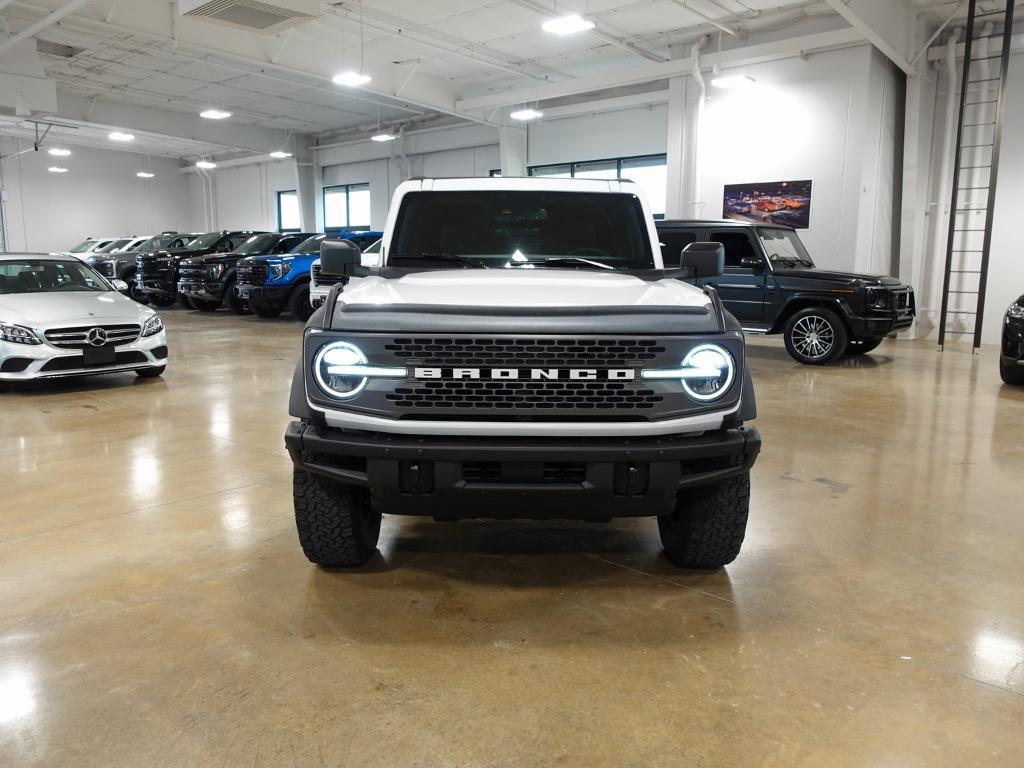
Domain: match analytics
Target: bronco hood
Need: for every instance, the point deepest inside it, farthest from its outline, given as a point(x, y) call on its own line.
point(522, 288)
point(811, 273)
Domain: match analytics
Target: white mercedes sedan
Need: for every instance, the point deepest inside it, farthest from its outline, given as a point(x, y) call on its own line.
point(59, 317)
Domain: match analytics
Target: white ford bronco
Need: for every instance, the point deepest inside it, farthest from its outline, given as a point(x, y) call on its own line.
point(522, 351)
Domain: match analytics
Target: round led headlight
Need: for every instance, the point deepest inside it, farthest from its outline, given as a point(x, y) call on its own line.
point(708, 371)
point(333, 369)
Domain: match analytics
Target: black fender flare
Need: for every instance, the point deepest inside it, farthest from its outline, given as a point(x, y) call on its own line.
point(809, 300)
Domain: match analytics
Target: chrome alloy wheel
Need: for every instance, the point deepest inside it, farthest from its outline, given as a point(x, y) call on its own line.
point(813, 336)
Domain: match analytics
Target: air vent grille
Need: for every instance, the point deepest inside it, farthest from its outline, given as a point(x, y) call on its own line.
point(253, 15)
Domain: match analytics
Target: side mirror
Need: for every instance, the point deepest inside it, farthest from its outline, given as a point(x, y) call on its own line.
point(338, 257)
point(704, 260)
point(755, 263)
point(120, 286)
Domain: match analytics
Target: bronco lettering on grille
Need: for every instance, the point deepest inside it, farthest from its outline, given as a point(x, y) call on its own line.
point(535, 374)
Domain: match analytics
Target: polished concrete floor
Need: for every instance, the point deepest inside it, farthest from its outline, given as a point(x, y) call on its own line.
point(155, 608)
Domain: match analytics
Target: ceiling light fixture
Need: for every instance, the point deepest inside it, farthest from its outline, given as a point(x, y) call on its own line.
point(526, 114)
point(280, 154)
point(206, 165)
point(351, 79)
point(215, 114)
point(57, 169)
point(120, 136)
point(733, 81)
point(58, 152)
point(383, 136)
point(567, 25)
point(145, 175)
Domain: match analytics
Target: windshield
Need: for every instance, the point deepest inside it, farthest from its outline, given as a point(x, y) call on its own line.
point(155, 243)
point(257, 244)
point(783, 246)
point(113, 245)
point(83, 246)
point(521, 229)
point(205, 241)
point(375, 248)
point(48, 276)
point(312, 245)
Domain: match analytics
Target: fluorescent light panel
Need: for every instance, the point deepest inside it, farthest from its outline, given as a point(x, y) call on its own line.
point(526, 114)
point(206, 165)
point(57, 169)
point(120, 136)
point(280, 155)
point(215, 114)
point(351, 79)
point(383, 136)
point(58, 152)
point(145, 175)
point(567, 25)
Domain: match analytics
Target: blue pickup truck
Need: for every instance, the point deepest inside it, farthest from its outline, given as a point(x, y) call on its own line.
point(273, 283)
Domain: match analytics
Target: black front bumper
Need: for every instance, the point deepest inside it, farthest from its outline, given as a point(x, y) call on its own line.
point(874, 326)
point(264, 295)
point(155, 286)
point(453, 478)
point(214, 291)
point(1013, 341)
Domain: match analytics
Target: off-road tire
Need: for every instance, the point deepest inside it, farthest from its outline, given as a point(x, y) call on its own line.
point(267, 311)
point(337, 525)
point(164, 301)
point(821, 318)
point(151, 373)
point(1011, 374)
point(205, 305)
point(706, 529)
point(236, 303)
point(861, 346)
point(298, 303)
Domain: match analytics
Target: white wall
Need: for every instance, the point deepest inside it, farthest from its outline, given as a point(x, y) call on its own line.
point(626, 132)
point(99, 195)
point(245, 197)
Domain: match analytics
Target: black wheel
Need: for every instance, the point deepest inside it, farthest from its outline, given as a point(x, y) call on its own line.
point(204, 305)
point(151, 373)
point(236, 303)
point(1011, 373)
point(184, 301)
point(860, 346)
point(336, 523)
point(706, 529)
point(133, 289)
point(298, 303)
point(164, 301)
point(816, 336)
point(267, 310)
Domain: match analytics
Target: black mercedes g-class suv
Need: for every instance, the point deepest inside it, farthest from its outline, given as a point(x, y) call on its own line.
point(771, 285)
point(157, 273)
point(207, 281)
point(1011, 359)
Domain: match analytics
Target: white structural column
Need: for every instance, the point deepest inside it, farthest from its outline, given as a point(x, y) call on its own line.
point(513, 145)
point(675, 204)
point(305, 186)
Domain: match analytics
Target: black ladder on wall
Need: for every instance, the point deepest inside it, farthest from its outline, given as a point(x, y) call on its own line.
point(975, 170)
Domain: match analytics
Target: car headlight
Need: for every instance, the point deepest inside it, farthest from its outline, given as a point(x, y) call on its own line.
point(1016, 311)
point(152, 326)
point(342, 370)
point(878, 299)
point(706, 374)
point(215, 270)
point(277, 271)
point(18, 334)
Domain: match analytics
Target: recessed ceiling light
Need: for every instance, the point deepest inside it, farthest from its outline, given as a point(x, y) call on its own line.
point(280, 155)
point(57, 169)
point(58, 152)
point(145, 175)
point(206, 165)
point(215, 114)
point(733, 81)
point(351, 79)
point(121, 136)
point(383, 136)
point(526, 114)
point(567, 25)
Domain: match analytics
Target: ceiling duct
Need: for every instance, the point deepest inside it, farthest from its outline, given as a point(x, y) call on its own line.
point(252, 15)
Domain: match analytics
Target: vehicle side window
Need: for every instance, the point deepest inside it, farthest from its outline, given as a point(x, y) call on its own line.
point(737, 247)
point(672, 244)
point(285, 244)
point(237, 240)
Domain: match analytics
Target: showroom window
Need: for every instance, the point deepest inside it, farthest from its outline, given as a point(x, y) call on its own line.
point(346, 206)
point(288, 218)
point(649, 171)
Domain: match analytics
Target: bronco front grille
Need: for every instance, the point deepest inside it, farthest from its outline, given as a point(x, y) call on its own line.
point(78, 338)
point(319, 278)
point(525, 395)
point(252, 273)
point(525, 352)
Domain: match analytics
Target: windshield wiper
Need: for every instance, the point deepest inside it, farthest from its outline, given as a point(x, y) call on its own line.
point(450, 257)
point(571, 260)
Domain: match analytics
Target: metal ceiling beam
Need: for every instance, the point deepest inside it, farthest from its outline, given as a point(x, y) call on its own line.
point(598, 31)
point(700, 14)
point(51, 18)
point(887, 24)
point(644, 73)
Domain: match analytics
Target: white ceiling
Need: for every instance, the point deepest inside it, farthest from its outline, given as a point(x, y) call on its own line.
point(131, 52)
